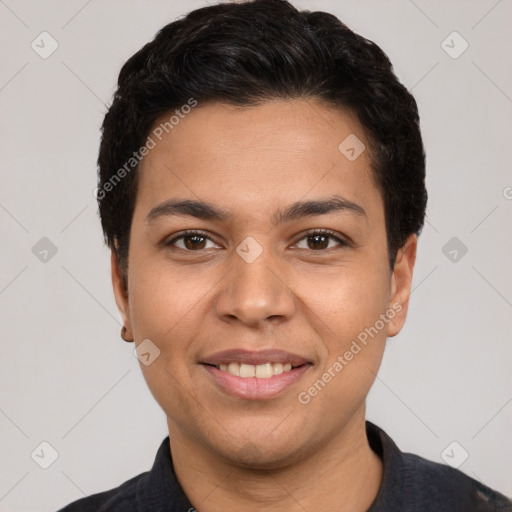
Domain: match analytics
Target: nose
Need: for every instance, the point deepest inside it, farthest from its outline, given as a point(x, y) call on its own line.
point(255, 293)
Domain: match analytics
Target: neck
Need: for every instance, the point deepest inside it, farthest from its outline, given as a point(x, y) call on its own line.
point(343, 474)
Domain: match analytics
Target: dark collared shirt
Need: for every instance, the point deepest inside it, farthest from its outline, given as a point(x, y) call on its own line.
point(409, 484)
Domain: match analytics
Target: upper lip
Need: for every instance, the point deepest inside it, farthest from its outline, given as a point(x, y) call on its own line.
point(254, 357)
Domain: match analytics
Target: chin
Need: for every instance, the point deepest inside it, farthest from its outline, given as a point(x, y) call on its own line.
point(261, 452)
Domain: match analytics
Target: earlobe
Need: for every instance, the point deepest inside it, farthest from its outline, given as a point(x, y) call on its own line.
point(121, 298)
point(401, 282)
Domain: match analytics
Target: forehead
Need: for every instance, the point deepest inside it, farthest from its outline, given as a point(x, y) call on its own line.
point(249, 156)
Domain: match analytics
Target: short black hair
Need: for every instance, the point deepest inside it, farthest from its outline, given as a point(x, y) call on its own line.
point(245, 54)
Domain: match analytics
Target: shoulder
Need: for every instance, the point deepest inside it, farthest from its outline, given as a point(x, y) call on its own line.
point(157, 489)
point(120, 499)
point(411, 483)
point(445, 488)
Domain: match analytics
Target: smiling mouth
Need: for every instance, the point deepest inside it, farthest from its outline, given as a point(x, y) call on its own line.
point(260, 371)
point(255, 374)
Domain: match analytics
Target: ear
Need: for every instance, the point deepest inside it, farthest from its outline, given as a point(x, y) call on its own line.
point(121, 295)
point(401, 281)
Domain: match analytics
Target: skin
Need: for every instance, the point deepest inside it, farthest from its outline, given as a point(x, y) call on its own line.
point(276, 454)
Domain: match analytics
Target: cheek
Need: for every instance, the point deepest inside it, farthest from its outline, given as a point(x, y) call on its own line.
point(343, 303)
point(345, 311)
point(164, 305)
point(165, 308)
point(165, 300)
point(347, 316)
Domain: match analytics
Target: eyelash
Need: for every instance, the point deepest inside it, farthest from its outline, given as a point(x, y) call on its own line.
point(324, 232)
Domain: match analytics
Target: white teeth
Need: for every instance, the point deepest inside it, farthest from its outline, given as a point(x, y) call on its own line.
point(262, 371)
point(247, 370)
point(277, 369)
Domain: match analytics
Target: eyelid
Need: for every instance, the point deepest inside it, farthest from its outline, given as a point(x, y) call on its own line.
point(188, 232)
point(343, 241)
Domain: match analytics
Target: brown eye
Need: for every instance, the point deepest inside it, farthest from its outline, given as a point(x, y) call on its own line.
point(320, 240)
point(192, 242)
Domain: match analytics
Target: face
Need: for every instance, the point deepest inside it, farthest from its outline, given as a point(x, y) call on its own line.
point(255, 240)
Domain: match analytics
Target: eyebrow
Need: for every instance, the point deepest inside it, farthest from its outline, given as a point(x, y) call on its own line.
point(298, 210)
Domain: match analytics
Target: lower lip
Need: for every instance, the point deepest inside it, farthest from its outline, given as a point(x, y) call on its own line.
point(254, 388)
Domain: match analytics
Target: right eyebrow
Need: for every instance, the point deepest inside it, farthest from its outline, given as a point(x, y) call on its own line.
point(199, 209)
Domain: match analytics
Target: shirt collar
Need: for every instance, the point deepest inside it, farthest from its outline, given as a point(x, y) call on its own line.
point(160, 491)
point(391, 490)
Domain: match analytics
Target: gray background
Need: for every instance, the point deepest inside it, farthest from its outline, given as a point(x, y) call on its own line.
point(67, 378)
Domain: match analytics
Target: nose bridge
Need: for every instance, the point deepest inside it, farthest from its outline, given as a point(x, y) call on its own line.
point(254, 291)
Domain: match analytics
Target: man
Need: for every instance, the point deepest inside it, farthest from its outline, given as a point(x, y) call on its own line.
point(262, 187)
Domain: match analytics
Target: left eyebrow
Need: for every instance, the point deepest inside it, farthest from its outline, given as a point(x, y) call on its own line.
point(320, 207)
point(298, 210)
